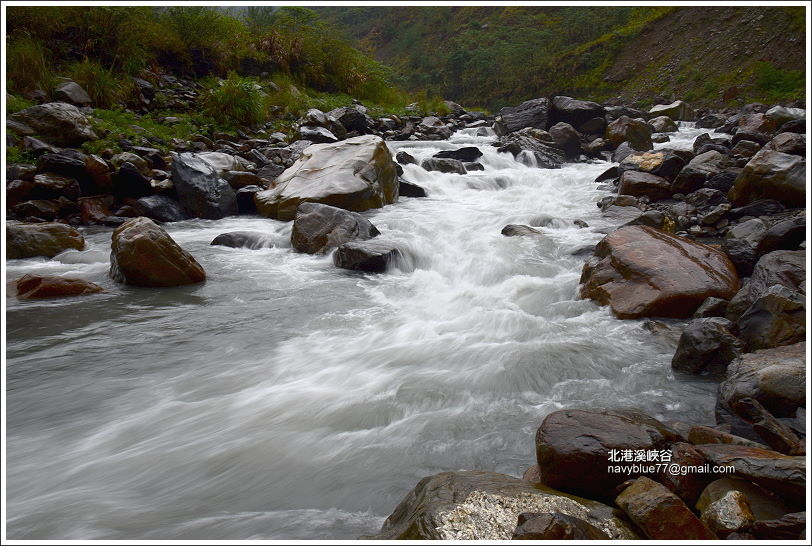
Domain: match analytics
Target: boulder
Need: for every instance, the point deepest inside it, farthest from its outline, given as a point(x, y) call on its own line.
point(352, 119)
point(245, 199)
point(728, 514)
point(94, 210)
point(771, 175)
point(700, 169)
point(566, 138)
point(763, 503)
point(241, 179)
point(662, 163)
point(788, 143)
point(356, 174)
point(784, 267)
point(369, 256)
point(782, 474)
point(72, 93)
point(31, 240)
point(781, 114)
point(687, 486)
point(405, 158)
point(777, 435)
point(243, 239)
point(58, 123)
point(160, 208)
point(785, 235)
point(515, 230)
point(52, 186)
point(223, 163)
point(660, 513)
point(555, 526)
point(573, 111)
point(201, 192)
point(129, 181)
point(706, 345)
point(318, 228)
point(532, 113)
point(633, 131)
point(36, 286)
point(315, 119)
point(467, 154)
point(407, 189)
point(677, 110)
point(623, 151)
point(475, 505)
point(318, 135)
point(143, 254)
point(443, 165)
point(776, 318)
point(788, 527)
point(639, 184)
point(640, 271)
point(745, 148)
point(533, 144)
point(711, 307)
point(700, 434)
point(663, 124)
point(774, 377)
point(574, 448)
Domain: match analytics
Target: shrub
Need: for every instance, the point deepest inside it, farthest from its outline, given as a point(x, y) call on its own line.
point(236, 101)
point(104, 87)
point(15, 104)
point(779, 84)
point(27, 65)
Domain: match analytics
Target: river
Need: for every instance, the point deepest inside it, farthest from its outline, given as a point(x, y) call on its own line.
point(287, 399)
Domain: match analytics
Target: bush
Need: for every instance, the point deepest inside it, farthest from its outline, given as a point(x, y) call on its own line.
point(236, 101)
point(27, 65)
point(779, 84)
point(15, 104)
point(104, 87)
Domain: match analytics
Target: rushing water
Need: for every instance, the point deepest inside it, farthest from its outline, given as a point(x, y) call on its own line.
point(287, 399)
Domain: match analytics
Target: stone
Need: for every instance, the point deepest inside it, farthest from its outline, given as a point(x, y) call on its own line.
point(788, 527)
point(405, 158)
point(37, 286)
point(201, 192)
point(660, 163)
point(788, 143)
point(46, 239)
point(784, 267)
point(574, 112)
point(318, 135)
point(100, 178)
point(245, 199)
point(515, 230)
point(706, 346)
point(240, 179)
point(700, 434)
point(315, 119)
point(223, 163)
point(771, 175)
point(532, 113)
point(774, 377)
point(687, 486)
point(745, 148)
point(93, 210)
point(742, 254)
point(639, 184)
point(129, 181)
point(700, 169)
point(555, 526)
point(443, 165)
point(660, 513)
point(476, 505)
point(640, 271)
point(633, 131)
point(567, 139)
point(728, 514)
point(533, 147)
point(763, 504)
point(776, 318)
point(775, 434)
point(678, 110)
point(352, 119)
point(72, 93)
point(369, 256)
point(356, 174)
point(710, 121)
point(243, 239)
point(407, 189)
point(467, 154)
point(780, 114)
point(143, 254)
point(59, 123)
point(573, 448)
point(609, 174)
point(319, 228)
point(782, 474)
point(161, 208)
point(711, 307)
point(52, 186)
point(756, 123)
point(67, 163)
point(785, 235)
point(663, 124)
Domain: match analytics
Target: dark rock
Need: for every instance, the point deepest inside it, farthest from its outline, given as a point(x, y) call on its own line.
point(626, 129)
point(240, 179)
point(476, 505)
point(700, 169)
point(574, 112)
point(52, 186)
point(515, 230)
point(788, 143)
point(710, 121)
point(762, 207)
point(143, 254)
point(785, 267)
point(352, 119)
point(711, 307)
point(771, 175)
point(319, 228)
point(31, 240)
point(443, 165)
point(72, 93)
point(622, 152)
point(609, 174)
point(555, 526)
point(58, 123)
point(474, 167)
point(130, 182)
point(729, 514)
point(699, 435)
point(534, 143)
point(687, 486)
point(723, 181)
point(532, 113)
point(68, 163)
point(467, 154)
point(318, 135)
point(706, 345)
point(245, 199)
point(243, 239)
point(663, 124)
point(745, 148)
point(788, 527)
point(594, 126)
point(566, 138)
point(573, 448)
point(638, 184)
point(160, 208)
point(36, 286)
point(781, 114)
point(660, 513)
point(94, 209)
point(641, 271)
point(370, 256)
point(201, 192)
point(775, 434)
point(794, 126)
point(786, 235)
point(314, 119)
point(778, 317)
point(269, 173)
point(764, 505)
point(407, 189)
point(405, 158)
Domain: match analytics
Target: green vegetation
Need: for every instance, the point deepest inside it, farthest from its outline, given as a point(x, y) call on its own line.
point(779, 84)
point(236, 100)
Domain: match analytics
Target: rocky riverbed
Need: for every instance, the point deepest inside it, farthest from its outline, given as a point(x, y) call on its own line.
point(431, 269)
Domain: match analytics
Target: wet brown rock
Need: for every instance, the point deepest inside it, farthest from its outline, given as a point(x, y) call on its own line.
point(93, 209)
point(763, 503)
point(30, 240)
point(689, 486)
point(706, 435)
point(532, 474)
point(771, 175)
point(36, 286)
point(728, 514)
point(776, 434)
point(638, 184)
point(633, 131)
point(784, 267)
point(143, 254)
point(788, 527)
point(573, 448)
point(555, 526)
point(640, 271)
point(660, 513)
point(783, 474)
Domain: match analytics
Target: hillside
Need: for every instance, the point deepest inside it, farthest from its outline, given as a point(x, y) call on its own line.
point(496, 56)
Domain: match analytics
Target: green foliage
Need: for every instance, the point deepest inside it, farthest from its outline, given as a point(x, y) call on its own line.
point(237, 101)
point(16, 155)
point(115, 124)
point(15, 104)
point(779, 84)
point(104, 87)
point(27, 65)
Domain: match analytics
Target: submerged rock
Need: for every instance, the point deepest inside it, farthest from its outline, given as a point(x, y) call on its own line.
point(369, 256)
point(319, 228)
point(47, 239)
point(49, 286)
point(243, 239)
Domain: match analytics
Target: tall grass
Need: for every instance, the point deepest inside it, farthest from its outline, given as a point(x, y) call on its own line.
point(104, 86)
point(236, 101)
point(27, 65)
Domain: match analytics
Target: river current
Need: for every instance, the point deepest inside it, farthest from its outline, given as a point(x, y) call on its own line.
point(285, 398)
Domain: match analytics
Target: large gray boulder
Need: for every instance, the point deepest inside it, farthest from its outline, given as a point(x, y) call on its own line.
point(318, 228)
point(573, 111)
point(201, 191)
point(356, 174)
point(475, 505)
point(532, 113)
point(72, 92)
point(771, 175)
point(535, 143)
point(58, 123)
point(677, 110)
point(633, 131)
point(784, 267)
